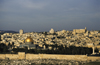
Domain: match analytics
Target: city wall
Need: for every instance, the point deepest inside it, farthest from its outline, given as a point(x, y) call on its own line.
point(54, 56)
point(93, 58)
point(48, 56)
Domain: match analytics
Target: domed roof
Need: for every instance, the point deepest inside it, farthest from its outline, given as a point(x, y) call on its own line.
point(52, 30)
point(28, 39)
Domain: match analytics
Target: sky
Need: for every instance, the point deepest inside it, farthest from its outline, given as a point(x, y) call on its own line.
point(42, 15)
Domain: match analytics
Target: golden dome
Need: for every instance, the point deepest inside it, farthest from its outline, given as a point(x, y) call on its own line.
point(28, 39)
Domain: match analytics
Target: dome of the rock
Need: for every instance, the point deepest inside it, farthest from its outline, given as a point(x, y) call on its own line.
point(28, 39)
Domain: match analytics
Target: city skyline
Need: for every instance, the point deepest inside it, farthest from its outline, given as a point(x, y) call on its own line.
point(39, 16)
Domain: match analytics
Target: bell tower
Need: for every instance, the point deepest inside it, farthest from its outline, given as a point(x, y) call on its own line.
point(85, 29)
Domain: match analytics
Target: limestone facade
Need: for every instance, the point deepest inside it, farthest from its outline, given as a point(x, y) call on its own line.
point(21, 32)
point(81, 37)
point(22, 55)
point(51, 31)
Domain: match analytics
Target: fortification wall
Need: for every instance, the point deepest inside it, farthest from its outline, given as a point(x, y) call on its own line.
point(93, 58)
point(11, 56)
point(2, 56)
point(32, 56)
point(53, 56)
point(22, 55)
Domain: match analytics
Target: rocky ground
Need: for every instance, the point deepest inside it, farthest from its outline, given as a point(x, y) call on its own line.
point(41, 62)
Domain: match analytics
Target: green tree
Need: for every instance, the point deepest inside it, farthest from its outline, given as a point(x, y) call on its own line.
point(96, 50)
point(3, 48)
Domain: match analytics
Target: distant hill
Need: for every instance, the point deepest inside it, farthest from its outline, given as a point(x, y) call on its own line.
point(7, 31)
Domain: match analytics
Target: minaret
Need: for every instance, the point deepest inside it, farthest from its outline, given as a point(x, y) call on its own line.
point(85, 29)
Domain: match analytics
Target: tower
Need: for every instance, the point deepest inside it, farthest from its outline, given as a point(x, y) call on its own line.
point(85, 29)
point(21, 31)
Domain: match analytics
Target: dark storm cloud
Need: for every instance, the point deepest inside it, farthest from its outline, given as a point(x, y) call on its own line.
point(41, 15)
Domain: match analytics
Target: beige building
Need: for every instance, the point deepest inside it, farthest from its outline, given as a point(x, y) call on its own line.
point(21, 32)
point(79, 30)
point(51, 31)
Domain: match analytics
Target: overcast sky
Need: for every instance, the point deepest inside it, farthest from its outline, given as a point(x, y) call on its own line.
point(42, 15)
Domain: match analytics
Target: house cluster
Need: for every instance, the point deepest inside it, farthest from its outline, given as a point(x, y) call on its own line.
point(77, 37)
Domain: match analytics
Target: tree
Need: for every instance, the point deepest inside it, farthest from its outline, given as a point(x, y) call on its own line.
point(96, 50)
point(3, 48)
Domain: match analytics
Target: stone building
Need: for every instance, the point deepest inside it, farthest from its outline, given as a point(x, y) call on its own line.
point(21, 32)
point(51, 31)
point(79, 30)
point(29, 43)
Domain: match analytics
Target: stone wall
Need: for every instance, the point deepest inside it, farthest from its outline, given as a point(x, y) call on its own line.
point(92, 58)
point(53, 56)
point(22, 55)
point(32, 56)
point(11, 56)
